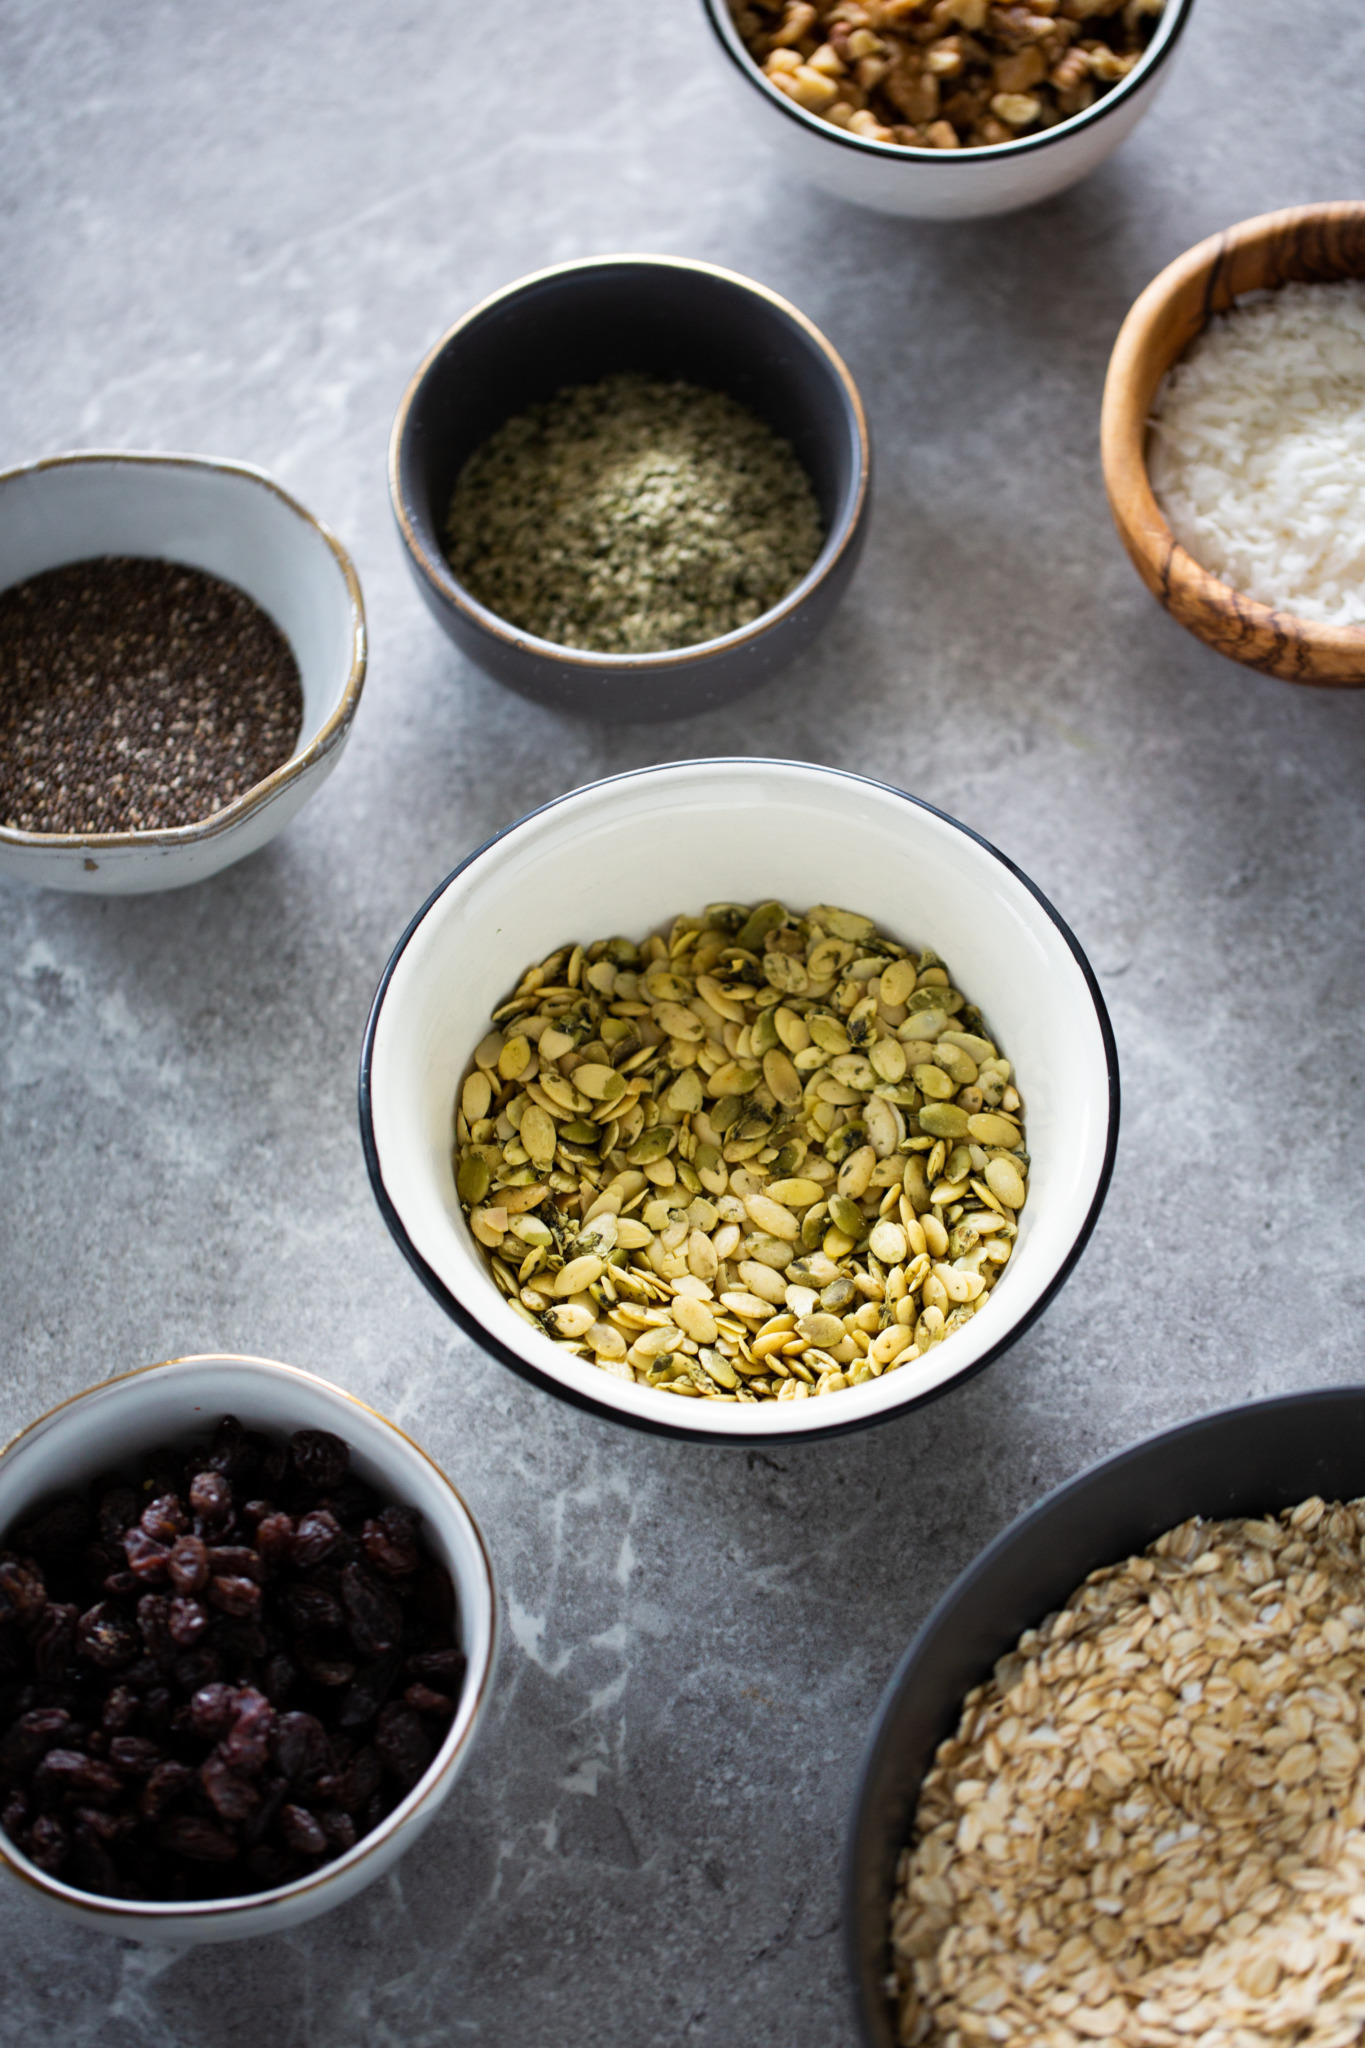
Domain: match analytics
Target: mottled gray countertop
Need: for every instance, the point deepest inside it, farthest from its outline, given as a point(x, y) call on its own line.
point(236, 231)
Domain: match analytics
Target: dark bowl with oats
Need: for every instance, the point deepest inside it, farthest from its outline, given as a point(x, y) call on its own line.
point(632, 317)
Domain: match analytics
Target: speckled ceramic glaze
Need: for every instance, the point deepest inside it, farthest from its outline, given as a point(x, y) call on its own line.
point(235, 523)
point(97, 1430)
point(575, 325)
point(626, 855)
point(945, 184)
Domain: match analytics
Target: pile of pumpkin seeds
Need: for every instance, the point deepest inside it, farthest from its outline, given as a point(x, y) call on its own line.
point(765, 1156)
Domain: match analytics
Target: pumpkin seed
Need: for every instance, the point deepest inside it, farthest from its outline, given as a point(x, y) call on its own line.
point(740, 1134)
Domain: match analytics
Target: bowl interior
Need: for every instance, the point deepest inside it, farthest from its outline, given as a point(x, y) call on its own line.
point(625, 856)
point(181, 1400)
point(1252, 1460)
point(589, 321)
point(229, 521)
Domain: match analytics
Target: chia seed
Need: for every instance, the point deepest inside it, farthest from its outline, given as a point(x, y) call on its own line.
point(137, 695)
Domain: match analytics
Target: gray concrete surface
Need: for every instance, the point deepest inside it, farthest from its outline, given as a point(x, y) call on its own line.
point(236, 231)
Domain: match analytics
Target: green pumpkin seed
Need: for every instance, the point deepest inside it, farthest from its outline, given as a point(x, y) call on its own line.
point(845, 1215)
point(472, 1179)
point(943, 1120)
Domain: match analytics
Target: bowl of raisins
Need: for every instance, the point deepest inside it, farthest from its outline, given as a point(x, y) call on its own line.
point(247, 1633)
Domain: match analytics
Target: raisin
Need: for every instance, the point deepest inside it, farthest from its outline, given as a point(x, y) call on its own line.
point(92, 1867)
point(274, 1539)
point(235, 1596)
point(120, 1710)
point(194, 1669)
point(278, 1678)
point(67, 1770)
point(49, 1845)
point(186, 1621)
point(121, 1585)
point(118, 1510)
point(187, 1834)
point(405, 1746)
point(106, 1637)
point(317, 1534)
point(235, 1560)
point(270, 1866)
point(53, 1641)
point(212, 1710)
point(338, 1827)
point(301, 1832)
point(352, 1788)
point(148, 1557)
point(57, 1536)
point(188, 1564)
point(315, 1663)
point(156, 1710)
point(232, 1796)
point(319, 1458)
point(154, 1622)
point(299, 1745)
point(373, 1612)
point(372, 1687)
point(247, 1743)
point(164, 1518)
point(164, 1786)
point(311, 1609)
point(31, 1737)
point(446, 1667)
point(134, 1753)
point(23, 1596)
point(390, 1542)
point(210, 1497)
point(423, 1700)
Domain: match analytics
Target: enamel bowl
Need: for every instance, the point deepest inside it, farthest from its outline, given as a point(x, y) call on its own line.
point(628, 854)
point(1256, 1459)
point(234, 522)
point(94, 1432)
point(665, 318)
point(944, 184)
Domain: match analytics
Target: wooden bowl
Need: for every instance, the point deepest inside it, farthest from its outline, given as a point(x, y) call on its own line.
point(1310, 244)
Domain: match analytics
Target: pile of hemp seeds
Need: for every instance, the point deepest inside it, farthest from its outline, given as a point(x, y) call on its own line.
point(137, 695)
point(767, 1156)
point(633, 516)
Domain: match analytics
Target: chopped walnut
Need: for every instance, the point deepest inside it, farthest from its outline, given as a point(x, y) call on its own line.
point(945, 74)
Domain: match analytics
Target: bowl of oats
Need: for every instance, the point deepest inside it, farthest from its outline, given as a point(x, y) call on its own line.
point(739, 1099)
point(945, 109)
point(1116, 1789)
point(632, 488)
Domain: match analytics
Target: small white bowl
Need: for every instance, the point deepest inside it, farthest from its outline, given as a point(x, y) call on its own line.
point(946, 184)
point(96, 1431)
point(233, 522)
point(625, 856)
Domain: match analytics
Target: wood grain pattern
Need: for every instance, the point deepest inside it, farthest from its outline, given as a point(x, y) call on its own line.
point(1309, 244)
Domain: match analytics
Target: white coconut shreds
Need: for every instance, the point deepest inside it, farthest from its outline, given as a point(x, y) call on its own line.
point(1257, 452)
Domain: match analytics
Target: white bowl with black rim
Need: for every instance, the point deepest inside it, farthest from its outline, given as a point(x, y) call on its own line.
point(95, 1433)
point(945, 184)
point(235, 523)
point(625, 856)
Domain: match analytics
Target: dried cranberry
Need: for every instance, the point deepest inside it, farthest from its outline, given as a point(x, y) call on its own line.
point(210, 1497)
point(164, 1519)
point(188, 1564)
point(274, 1539)
point(319, 1458)
point(106, 1637)
point(301, 1832)
point(235, 1595)
point(187, 1834)
point(186, 1622)
point(316, 1535)
point(372, 1611)
point(23, 1595)
point(390, 1542)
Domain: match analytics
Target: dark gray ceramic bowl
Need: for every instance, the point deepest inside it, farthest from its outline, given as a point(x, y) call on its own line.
point(579, 323)
point(1250, 1460)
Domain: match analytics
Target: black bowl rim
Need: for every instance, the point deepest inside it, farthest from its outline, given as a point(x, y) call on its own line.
point(475, 1330)
point(944, 1608)
point(437, 573)
point(997, 151)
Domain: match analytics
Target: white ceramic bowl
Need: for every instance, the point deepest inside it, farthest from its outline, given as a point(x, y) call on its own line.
point(94, 1432)
point(628, 854)
point(945, 184)
point(234, 522)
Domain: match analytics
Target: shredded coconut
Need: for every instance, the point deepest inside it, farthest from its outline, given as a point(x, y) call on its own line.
point(1257, 453)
